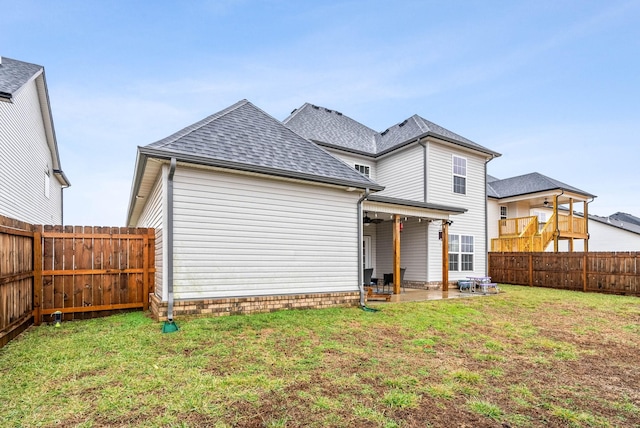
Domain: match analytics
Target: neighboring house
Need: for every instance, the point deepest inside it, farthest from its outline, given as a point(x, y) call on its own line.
point(617, 232)
point(31, 178)
point(250, 216)
point(533, 212)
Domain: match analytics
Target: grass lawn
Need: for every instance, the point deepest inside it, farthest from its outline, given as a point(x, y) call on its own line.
point(528, 357)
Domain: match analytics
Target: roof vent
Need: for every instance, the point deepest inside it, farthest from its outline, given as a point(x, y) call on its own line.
point(338, 113)
point(294, 110)
point(327, 110)
point(384, 132)
point(315, 107)
point(403, 123)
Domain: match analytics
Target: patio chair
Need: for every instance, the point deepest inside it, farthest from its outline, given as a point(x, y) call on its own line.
point(368, 281)
point(388, 279)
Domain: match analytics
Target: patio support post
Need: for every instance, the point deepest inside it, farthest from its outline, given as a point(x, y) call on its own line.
point(396, 254)
point(445, 256)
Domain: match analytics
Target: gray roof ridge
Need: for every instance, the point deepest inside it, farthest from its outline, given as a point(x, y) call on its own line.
point(420, 123)
point(194, 127)
point(17, 75)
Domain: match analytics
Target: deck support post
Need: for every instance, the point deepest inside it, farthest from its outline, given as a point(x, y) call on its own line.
point(586, 226)
point(556, 229)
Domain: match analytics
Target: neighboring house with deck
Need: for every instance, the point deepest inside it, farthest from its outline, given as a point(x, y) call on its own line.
point(253, 215)
point(533, 212)
point(31, 177)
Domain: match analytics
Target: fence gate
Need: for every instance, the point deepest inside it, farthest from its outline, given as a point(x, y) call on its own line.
point(86, 270)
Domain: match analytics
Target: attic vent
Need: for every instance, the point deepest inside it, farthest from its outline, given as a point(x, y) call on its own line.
point(327, 110)
point(403, 124)
point(385, 131)
point(315, 107)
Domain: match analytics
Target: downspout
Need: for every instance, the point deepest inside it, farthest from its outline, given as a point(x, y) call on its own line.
point(424, 171)
point(486, 215)
point(360, 233)
point(172, 170)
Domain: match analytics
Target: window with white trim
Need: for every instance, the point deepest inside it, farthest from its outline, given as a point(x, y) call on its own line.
point(460, 253)
point(459, 175)
point(362, 169)
point(503, 212)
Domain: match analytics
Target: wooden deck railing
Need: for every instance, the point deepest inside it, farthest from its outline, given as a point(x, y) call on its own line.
point(522, 235)
point(512, 227)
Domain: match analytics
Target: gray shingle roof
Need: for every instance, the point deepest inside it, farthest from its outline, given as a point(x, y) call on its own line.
point(625, 218)
point(244, 137)
point(14, 74)
point(417, 204)
point(614, 221)
point(334, 129)
point(528, 183)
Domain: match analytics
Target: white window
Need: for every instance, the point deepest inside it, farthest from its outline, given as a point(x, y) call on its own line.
point(459, 175)
point(503, 213)
point(461, 253)
point(362, 169)
point(47, 183)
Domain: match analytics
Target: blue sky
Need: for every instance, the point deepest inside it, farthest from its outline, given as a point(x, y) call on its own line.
point(552, 85)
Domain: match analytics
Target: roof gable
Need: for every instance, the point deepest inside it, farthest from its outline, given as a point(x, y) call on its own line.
point(244, 137)
point(14, 74)
point(332, 128)
point(528, 183)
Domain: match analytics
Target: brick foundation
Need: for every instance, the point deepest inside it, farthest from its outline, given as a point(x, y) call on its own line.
point(251, 305)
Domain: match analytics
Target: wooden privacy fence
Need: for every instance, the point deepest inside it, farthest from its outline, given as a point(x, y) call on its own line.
point(82, 272)
point(85, 270)
point(16, 277)
point(602, 272)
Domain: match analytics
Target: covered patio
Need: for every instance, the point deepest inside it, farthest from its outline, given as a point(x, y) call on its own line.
point(393, 226)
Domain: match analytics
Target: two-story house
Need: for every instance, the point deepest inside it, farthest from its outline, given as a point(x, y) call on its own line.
point(253, 214)
point(434, 184)
point(31, 178)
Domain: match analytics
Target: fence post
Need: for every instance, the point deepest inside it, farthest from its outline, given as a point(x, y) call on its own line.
point(584, 272)
point(530, 270)
point(145, 272)
point(37, 275)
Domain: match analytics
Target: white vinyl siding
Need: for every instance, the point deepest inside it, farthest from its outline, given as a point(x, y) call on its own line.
point(472, 222)
point(402, 174)
point(24, 158)
point(353, 160)
point(413, 249)
point(238, 235)
point(152, 216)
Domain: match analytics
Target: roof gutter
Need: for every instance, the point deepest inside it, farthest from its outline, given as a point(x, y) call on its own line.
point(220, 163)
